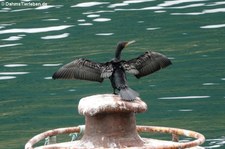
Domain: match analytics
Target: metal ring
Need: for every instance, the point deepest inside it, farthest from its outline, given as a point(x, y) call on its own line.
point(146, 129)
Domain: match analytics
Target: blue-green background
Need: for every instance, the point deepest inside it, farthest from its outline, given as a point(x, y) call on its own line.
point(37, 40)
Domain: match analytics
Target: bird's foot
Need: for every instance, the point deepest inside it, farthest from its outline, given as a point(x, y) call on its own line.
point(115, 93)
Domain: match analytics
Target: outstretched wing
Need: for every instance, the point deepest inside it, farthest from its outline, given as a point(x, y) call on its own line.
point(146, 64)
point(80, 69)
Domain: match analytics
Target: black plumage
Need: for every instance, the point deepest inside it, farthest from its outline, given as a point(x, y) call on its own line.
point(115, 70)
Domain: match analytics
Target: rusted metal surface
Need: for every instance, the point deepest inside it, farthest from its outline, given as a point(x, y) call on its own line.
point(175, 131)
point(110, 123)
point(54, 132)
point(148, 143)
point(175, 137)
point(109, 103)
point(111, 130)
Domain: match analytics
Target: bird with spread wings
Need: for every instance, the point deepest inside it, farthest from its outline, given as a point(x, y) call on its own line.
point(115, 70)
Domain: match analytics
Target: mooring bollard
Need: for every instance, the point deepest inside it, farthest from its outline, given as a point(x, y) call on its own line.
point(110, 123)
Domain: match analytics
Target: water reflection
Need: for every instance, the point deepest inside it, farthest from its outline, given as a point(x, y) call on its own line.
point(181, 110)
point(7, 77)
point(51, 65)
point(50, 20)
point(89, 4)
point(13, 73)
point(185, 97)
point(10, 45)
point(104, 34)
point(72, 90)
point(152, 28)
point(85, 24)
point(189, 6)
point(10, 75)
point(185, 110)
point(19, 10)
point(176, 2)
point(93, 15)
point(217, 10)
point(102, 19)
point(209, 84)
point(81, 20)
point(99, 11)
point(35, 30)
point(216, 3)
point(5, 25)
point(14, 38)
point(215, 143)
point(127, 2)
point(213, 26)
point(64, 35)
point(160, 8)
point(117, 5)
point(48, 6)
point(15, 65)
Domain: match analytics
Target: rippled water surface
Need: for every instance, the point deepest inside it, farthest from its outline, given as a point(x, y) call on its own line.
point(37, 37)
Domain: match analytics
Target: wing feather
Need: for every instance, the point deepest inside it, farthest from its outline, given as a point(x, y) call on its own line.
point(146, 64)
point(106, 70)
point(80, 69)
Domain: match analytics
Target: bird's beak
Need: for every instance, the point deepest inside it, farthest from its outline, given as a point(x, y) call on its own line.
point(130, 42)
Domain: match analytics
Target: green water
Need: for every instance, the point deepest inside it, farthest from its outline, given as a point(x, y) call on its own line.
point(36, 40)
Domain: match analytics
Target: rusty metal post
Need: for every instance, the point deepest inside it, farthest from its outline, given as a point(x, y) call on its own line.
point(110, 122)
point(175, 137)
point(50, 140)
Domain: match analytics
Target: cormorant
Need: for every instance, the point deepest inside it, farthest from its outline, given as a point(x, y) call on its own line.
point(115, 70)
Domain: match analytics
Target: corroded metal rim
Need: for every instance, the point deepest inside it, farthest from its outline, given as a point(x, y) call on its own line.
point(109, 103)
point(200, 139)
point(54, 132)
point(146, 129)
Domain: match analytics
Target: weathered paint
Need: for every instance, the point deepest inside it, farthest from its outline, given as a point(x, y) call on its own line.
point(109, 103)
point(110, 123)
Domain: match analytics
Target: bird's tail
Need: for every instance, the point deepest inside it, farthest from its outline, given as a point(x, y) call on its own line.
point(128, 94)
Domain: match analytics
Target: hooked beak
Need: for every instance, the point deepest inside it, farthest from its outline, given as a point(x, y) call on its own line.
point(130, 42)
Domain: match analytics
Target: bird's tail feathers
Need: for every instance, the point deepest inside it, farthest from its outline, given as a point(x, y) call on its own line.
point(128, 94)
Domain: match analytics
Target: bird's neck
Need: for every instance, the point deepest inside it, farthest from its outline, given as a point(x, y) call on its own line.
point(118, 54)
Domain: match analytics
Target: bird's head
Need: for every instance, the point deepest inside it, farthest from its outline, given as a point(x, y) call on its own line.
point(124, 44)
point(120, 47)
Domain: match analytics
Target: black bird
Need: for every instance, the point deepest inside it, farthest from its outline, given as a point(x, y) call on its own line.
point(115, 70)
